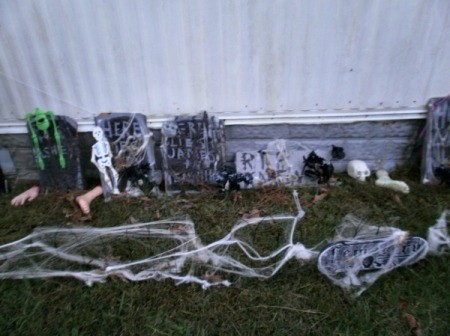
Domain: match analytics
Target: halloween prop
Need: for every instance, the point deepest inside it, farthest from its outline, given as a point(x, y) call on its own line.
point(7, 170)
point(170, 249)
point(438, 237)
point(383, 180)
point(3, 182)
point(193, 149)
point(27, 196)
point(56, 152)
point(316, 168)
point(124, 154)
point(84, 201)
point(55, 148)
point(288, 164)
point(101, 157)
point(44, 122)
point(227, 179)
point(362, 253)
point(436, 149)
point(358, 170)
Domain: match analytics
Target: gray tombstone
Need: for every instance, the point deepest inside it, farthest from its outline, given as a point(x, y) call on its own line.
point(436, 149)
point(133, 152)
point(192, 148)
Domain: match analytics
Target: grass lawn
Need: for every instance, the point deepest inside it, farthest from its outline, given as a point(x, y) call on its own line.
point(298, 300)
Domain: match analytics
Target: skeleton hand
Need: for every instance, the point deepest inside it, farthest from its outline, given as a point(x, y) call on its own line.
point(28, 195)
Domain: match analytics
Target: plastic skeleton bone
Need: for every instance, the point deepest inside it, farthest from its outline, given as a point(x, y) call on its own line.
point(386, 182)
point(101, 157)
point(42, 120)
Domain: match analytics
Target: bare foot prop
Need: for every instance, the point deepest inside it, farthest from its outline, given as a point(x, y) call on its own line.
point(85, 200)
point(386, 182)
point(27, 196)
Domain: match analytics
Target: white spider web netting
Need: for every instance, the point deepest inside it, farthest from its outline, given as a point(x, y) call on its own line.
point(257, 247)
point(438, 238)
point(155, 250)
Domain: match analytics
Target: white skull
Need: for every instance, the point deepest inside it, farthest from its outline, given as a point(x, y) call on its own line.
point(97, 133)
point(169, 129)
point(358, 170)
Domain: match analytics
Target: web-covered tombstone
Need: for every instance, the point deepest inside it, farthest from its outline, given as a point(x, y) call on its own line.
point(193, 150)
point(124, 154)
point(436, 149)
point(54, 141)
point(287, 164)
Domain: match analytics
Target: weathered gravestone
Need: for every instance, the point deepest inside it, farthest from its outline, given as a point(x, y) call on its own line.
point(193, 148)
point(133, 152)
point(277, 164)
point(55, 149)
point(436, 150)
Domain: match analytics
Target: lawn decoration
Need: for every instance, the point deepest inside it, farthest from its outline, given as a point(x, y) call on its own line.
point(438, 237)
point(125, 150)
point(287, 164)
point(7, 170)
point(358, 170)
point(193, 149)
point(362, 253)
point(56, 152)
point(170, 249)
point(2, 182)
point(383, 180)
point(28, 195)
point(436, 149)
point(315, 167)
point(43, 121)
point(228, 179)
point(101, 157)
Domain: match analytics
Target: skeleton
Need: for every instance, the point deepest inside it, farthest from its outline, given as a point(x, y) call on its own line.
point(101, 157)
point(358, 170)
point(169, 129)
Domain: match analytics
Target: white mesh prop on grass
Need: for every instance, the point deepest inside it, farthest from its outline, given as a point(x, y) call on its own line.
point(170, 249)
point(155, 250)
point(438, 238)
point(361, 253)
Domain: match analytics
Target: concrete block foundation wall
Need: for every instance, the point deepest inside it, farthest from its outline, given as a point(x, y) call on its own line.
point(385, 144)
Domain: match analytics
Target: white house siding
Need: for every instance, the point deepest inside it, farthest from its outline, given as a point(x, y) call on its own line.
point(267, 67)
point(249, 62)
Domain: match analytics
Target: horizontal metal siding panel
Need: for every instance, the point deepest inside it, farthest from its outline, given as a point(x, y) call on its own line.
point(253, 58)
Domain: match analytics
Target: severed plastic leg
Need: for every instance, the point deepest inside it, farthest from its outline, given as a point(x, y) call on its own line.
point(84, 201)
